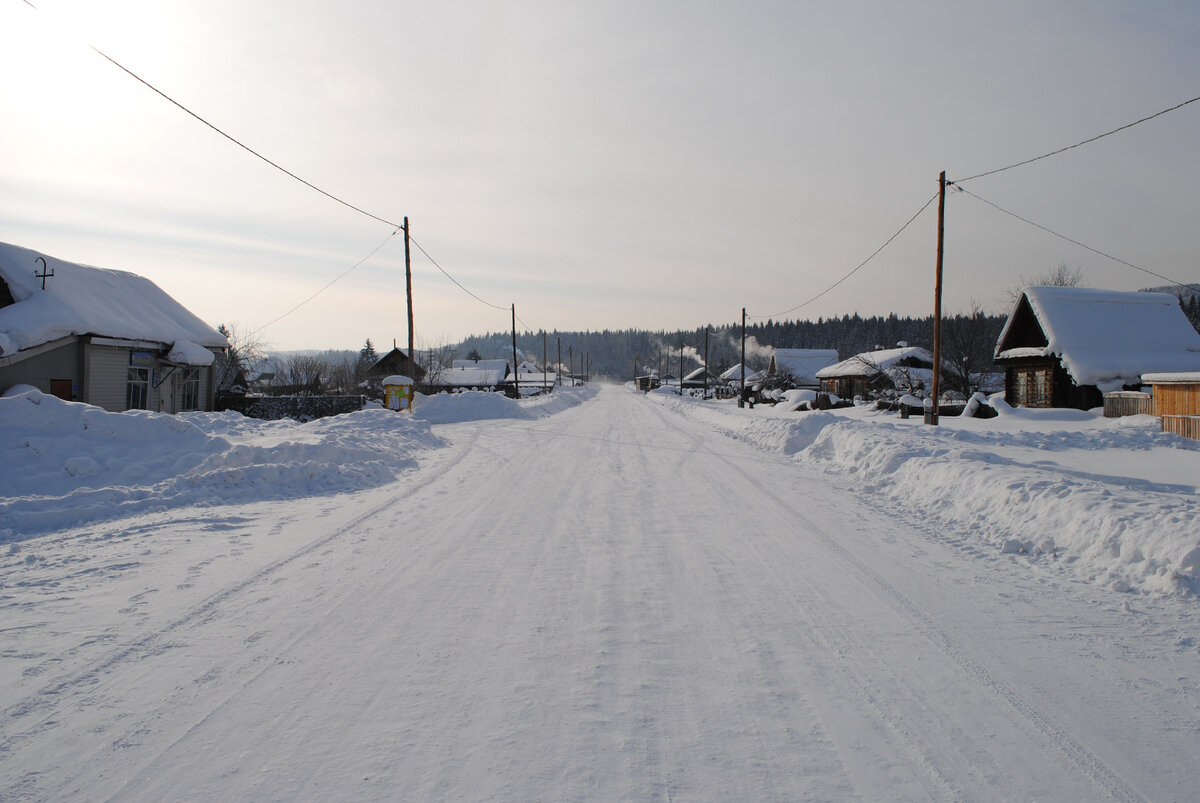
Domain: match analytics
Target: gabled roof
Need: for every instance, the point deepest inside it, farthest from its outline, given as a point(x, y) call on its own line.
point(734, 374)
point(474, 373)
point(396, 362)
point(872, 362)
point(1105, 338)
point(82, 300)
point(803, 364)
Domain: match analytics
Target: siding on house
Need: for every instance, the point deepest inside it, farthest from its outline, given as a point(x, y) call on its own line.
point(107, 374)
point(52, 364)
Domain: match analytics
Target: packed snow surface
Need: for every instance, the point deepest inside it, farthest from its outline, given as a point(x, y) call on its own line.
point(596, 595)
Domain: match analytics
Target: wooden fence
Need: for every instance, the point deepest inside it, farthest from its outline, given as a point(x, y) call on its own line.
point(1127, 402)
point(1186, 425)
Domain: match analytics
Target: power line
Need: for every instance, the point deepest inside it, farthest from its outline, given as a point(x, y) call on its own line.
point(855, 270)
point(1076, 242)
point(326, 287)
point(1077, 144)
point(229, 137)
point(456, 281)
point(241, 145)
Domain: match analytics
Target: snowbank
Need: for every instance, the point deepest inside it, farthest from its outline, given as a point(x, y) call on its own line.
point(69, 463)
point(1109, 501)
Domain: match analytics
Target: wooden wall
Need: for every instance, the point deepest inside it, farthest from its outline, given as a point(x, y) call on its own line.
point(1177, 398)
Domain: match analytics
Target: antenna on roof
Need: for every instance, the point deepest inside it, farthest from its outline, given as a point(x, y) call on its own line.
point(45, 274)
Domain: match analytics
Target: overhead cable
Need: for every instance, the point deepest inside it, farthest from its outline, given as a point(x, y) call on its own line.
point(456, 281)
point(1077, 144)
point(241, 145)
point(326, 287)
point(1081, 245)
point(856, 269)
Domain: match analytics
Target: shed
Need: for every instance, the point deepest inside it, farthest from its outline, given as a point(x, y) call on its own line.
point(1177, 401)
point(104, 337)
point(1067, 346)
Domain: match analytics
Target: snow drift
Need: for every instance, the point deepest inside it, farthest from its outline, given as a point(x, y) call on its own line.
point(1109, 501)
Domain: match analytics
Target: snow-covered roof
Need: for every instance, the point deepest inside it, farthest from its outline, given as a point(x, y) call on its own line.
point(734, 374)
point(872, 362)
point(803, 364)
point(1168, 377)
point(397, 379)
point(1107, 338)
point(83, 300)
point(474, 373)
point(538, 379)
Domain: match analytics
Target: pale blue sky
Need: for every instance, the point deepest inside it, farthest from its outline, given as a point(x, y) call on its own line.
point(602, 165)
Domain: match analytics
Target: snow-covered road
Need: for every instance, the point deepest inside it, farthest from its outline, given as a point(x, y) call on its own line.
point(612, 602)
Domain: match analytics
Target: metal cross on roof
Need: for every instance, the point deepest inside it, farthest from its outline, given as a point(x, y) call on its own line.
point(45, 274)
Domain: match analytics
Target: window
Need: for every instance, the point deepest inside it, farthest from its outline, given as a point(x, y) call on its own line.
point(189, 398)
point(137, 388)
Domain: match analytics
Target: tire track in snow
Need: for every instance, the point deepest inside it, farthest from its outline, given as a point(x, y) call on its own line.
point(816, 613)
point(51, 697)
point(1087, 763)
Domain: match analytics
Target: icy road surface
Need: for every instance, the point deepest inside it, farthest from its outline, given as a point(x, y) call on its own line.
point(610, 603)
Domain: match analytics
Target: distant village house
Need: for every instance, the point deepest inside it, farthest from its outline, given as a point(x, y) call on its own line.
point(904, 369)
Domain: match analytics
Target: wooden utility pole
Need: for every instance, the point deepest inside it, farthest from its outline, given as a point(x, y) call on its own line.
point(742, 392)
point(681, 366)
point(558, 373)
point(571, 360)
point(408, 285)
point(545, 387)
point(516, 373)
point(932, 416)
point(705, 362)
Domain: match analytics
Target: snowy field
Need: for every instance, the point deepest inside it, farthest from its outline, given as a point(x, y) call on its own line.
point(600, 595)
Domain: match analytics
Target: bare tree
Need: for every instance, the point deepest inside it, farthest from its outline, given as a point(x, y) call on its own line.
point(1062, 276)
point(300, 374)
point(968, 346)
point(436, 360)
point(343, 377)
point(243, 352)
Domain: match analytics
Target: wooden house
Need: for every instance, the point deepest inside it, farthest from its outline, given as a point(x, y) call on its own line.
point(906, 369)
point(394, 363)
point(108, 338)
point(700, 378)
point(1067, 346)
